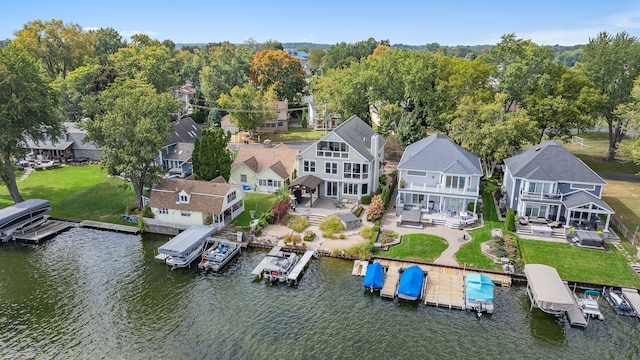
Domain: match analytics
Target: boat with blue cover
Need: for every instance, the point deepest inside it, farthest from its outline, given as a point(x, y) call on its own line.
point(373, 277)
point(478, 293)
point(410, 285)
point(619, 302)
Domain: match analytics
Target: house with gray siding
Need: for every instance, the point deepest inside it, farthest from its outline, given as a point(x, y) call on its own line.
point(546, 181)
point(440, 180)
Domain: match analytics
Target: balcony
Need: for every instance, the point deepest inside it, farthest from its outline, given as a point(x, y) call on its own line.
point(439, 189)
point(547, 197)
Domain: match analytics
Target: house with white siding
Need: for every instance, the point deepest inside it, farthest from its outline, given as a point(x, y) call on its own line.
point(264, 169)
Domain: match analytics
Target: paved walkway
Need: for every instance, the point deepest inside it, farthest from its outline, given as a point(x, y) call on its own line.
point(27, 172)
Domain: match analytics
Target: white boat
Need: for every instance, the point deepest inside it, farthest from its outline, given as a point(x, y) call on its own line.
point(186, 247)
point(22, 216)
point(278, 265)
point(589, 304)
point(217, 256)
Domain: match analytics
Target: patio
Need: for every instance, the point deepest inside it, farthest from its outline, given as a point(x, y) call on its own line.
point(417, 216)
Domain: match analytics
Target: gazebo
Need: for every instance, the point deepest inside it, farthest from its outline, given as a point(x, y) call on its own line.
point(309, 183)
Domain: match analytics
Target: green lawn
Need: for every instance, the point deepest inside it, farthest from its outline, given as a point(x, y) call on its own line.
point(594, 155)
point(624, 198)
point(577, 264)
point(470, 254)
point(255, 201)
point(76, 192)
point(294, 134)
point(417, 247)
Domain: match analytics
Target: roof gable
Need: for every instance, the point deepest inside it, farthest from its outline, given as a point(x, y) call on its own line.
point(438, 153)
point(184, 130)
point(204, 196)
point(550, 161)
point(280, 158)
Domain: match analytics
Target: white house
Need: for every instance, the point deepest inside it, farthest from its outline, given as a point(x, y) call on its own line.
point(348, 161)
point(264, 169)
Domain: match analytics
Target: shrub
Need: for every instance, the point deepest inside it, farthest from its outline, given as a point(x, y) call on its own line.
point(376, 208)
point(383, 179)
point(332, 223)
point(341, 236)
point(366, 232)
point(387, 237)
point(292, 239)
point(280, 209)
point(510, 220)
point(296, 223)
point(309, 235)
point(328, 234)
point(258, 230)
point(362, 251)
point(146, 212)
point(269, 217)
point(365, 199)
point(358, 211)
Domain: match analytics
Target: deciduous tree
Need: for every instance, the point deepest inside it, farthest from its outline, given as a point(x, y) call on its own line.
point(148, 61)
point(131, 128)
point(224, 68)
point(248, 107)
point(107, 41)
point(278, 71)
point(612, 63)
point(27, 110)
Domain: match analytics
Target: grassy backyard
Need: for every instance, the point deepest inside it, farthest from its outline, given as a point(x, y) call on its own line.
point(77, 192)
point(577, 264)
point(294, 134)
point(254, 201)
point(417, 247)
point(594, 155)
point(624, 198)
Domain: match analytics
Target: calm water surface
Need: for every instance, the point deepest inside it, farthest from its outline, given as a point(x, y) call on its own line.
point(91, 294)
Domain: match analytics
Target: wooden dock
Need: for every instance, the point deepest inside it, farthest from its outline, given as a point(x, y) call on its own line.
point(634, 299)
point(391, 280)
point(445, 285)
point(46, 230)
point(575, 315)
point(295, 273)
point(109, 227)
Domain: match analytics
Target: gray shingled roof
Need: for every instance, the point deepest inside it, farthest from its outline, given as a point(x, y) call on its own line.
point(581, 198)
point(355, 132)
point(550, 161)
point(181, 152)
point(184, 130)
point(438, 153)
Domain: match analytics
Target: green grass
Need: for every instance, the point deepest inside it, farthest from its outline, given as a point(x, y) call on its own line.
point(255, 201)
point(417, 247)
point(77, 192)
point(470, 254)
point(294, 134)
point(624, 198)
point(594, 156)
point(578, 264)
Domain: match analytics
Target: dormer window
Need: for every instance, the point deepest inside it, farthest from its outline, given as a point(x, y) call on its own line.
point(183, 198)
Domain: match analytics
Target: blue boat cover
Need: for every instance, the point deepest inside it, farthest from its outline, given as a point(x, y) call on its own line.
point(411, 282)
point(478, 287)
point(373, 277)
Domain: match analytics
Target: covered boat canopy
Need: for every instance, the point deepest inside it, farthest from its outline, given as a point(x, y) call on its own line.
point(25, 211)
point(410, 285)
point(478, 287)
point(547, 289)
point(186, 239)
point(373, 277)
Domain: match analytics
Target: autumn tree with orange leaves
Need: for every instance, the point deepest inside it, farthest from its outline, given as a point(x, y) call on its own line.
point(278, 71)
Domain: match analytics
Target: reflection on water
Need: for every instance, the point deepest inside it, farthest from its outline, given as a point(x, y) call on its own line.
point(94, 294)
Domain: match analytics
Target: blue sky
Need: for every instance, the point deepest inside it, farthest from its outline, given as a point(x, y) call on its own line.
point(413, 22)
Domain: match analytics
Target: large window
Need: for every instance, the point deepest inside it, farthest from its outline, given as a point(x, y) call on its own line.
point(537, 210)
point(455, 182)
point(309, 166)
point(350, 189)
point(333, 149)
point(539, 188)
point(231, 196)
point(355, 171)
point(331, 168)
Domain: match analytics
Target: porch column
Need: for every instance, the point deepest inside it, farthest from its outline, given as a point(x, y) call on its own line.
point(606, 225)
point(475, 203)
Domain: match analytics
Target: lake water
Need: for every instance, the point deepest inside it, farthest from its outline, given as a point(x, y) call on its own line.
point(89, 294)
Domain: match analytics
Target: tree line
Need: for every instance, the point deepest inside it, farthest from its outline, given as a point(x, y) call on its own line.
point(492, 100)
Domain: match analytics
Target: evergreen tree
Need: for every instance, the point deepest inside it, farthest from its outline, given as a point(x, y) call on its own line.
point(214, 119)
point(409, 130)
point(211, 158)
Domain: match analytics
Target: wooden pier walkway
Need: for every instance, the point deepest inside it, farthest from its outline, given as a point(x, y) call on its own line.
point(634, 299)
point(391, 279)
point(110, 227)
point(295, 273)
point(575, 315)
point(258, 269)
point(48, 229)
point(445, 285)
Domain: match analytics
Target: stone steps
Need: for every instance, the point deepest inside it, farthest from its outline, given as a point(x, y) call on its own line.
point(315, 219)
point(635, 266)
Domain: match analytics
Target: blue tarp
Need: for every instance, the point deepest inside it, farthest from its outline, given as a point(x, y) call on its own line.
point(411, 282)
point(478, 287)
point(373, 277)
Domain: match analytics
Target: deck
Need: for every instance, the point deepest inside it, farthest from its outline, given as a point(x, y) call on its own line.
point(575, 315)
point(633, 297)
point(48, 229)
point(445, 285)
point(391, 280)
point(110, 227)
point(295, 273)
